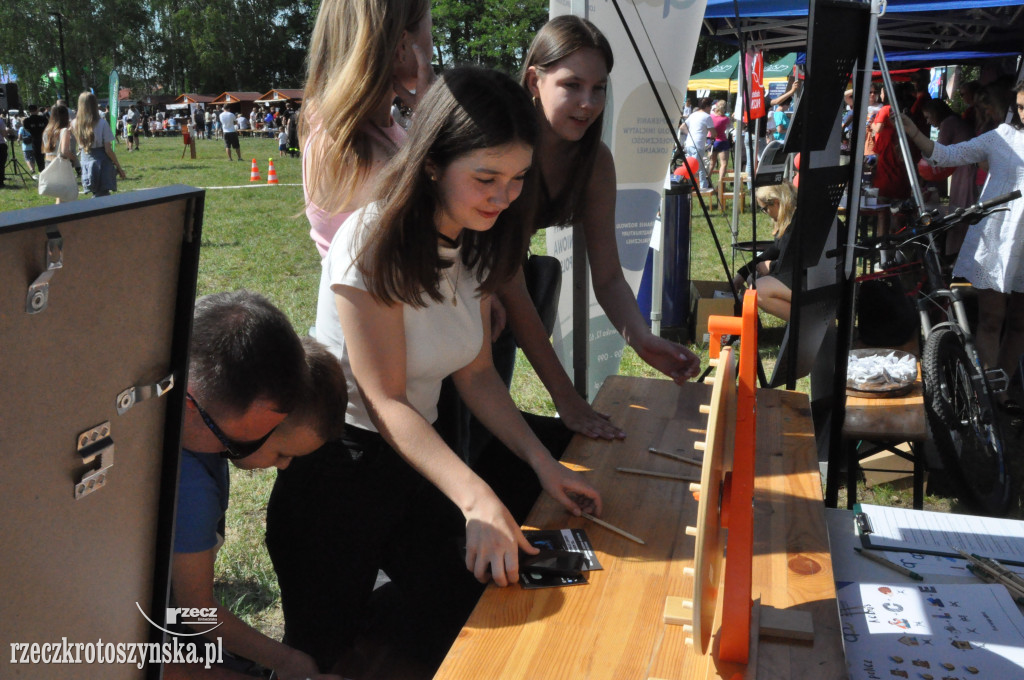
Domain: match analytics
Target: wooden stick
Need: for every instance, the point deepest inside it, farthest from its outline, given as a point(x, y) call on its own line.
point(612, 527)
point(661, 475)
point(676, 456)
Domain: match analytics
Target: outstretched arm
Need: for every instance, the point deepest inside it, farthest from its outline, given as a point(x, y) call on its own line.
point(532, 337)
point(375, 341)
point(482, 390)
point(613, 293)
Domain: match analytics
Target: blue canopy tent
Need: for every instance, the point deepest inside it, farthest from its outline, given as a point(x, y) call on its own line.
point(965, 29)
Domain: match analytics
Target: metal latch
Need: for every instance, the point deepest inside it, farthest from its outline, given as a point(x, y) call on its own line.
point(93, 444)
point(39, 291)
point(133, 395)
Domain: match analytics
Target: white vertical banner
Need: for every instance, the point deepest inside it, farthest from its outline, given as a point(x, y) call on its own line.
point(640, 140)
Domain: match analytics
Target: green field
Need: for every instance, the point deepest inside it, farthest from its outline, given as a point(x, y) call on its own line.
point(255, 236)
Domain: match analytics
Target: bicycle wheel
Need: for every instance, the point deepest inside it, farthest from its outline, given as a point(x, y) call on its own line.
point(963, 424)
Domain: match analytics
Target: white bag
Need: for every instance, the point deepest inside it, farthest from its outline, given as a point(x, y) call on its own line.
point(59, 180)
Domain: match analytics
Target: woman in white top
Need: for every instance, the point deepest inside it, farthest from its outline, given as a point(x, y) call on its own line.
point(97, 152)
point(405, 301)
point(992, 255)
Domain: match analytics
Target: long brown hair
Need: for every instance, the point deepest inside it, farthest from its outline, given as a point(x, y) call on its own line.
point(58, 121)
point(86, 119)
point(467, 109)
point(555, 41)
point(350, 60)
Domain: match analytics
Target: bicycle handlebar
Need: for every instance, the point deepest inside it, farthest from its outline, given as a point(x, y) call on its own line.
point(931, 223)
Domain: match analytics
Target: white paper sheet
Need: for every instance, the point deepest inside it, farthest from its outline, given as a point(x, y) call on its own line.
point(938, 632)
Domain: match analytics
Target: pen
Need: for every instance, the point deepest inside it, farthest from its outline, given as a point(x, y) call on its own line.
point(989, 578)
point(892, 565)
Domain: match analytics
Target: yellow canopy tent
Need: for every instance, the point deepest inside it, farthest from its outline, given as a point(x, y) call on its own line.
point(723, 77)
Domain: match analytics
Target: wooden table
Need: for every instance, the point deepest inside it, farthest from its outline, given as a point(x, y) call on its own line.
point(613, 627)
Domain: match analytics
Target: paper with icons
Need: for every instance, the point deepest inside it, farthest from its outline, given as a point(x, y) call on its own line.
point(931, 632)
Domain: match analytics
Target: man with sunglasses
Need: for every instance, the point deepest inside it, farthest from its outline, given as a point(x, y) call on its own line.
point(247, 372)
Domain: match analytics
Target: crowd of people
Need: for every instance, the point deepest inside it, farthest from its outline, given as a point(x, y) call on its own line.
point(37, 131)
point(422, 235)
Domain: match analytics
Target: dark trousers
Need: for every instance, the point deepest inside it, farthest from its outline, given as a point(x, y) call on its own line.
point(3, 163)
point(342, 513)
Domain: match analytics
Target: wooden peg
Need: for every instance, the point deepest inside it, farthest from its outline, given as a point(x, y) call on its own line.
point(688, 571)
point(704, 408)
point(677, 612)
point(700, 446)
point(694, 487)
point(691, 531)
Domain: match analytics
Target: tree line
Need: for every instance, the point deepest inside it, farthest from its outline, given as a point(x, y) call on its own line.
point(210, 46)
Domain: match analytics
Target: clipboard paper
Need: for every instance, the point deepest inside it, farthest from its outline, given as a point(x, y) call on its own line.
point(939, 533)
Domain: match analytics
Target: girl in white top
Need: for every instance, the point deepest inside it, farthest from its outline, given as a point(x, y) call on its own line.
point(410, 317)
point(404, 302)
point(992, 255)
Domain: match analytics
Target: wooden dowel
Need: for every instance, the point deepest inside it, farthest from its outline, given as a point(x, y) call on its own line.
point(660, 475)
point(612, 527)
point(676, 456)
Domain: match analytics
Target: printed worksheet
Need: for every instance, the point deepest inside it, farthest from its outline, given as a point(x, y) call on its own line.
point(939, 632)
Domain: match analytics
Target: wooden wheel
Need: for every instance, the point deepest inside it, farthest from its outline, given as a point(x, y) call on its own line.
point(710, 532)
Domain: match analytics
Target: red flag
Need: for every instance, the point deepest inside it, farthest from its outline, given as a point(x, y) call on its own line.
point(755, 78)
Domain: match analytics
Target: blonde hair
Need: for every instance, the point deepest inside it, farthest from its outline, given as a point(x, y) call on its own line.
point(719, 107)
point(785, 195)
point(350, 59)
point(84, 126)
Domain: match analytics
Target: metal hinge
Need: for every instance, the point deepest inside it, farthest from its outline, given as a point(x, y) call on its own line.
point(133, 395)
point(39, 291)
point(92, 444)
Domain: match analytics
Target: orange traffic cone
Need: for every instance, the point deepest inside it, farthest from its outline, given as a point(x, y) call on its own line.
point(254, 176)
point(271, 173)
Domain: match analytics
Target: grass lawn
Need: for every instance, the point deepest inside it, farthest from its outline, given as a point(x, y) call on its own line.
point(255, 236)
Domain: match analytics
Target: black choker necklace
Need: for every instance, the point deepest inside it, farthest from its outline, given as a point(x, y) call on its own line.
point(453, 242)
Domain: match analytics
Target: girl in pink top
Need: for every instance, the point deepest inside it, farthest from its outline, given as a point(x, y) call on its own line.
point(346, 127)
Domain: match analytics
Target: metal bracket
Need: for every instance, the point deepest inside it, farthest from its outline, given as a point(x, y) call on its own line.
point(92, 444)
point(39, 291)
point(133, 395)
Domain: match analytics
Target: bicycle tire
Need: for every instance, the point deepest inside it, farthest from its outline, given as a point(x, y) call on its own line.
point(965, 432)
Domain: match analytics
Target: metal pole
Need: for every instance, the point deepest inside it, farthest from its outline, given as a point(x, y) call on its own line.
point(580, 285)
point(901, 134)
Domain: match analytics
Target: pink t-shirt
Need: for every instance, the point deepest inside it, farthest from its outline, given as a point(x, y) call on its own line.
point(720, 123)
point(324, 225)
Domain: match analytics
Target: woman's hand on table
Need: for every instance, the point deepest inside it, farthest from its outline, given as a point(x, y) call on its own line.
point(493, 542)
point(580, 417)
point(671, 358)
point(569, 488)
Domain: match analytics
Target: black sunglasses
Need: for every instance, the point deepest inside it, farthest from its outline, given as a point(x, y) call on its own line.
point(233, 449)
point(762, 208)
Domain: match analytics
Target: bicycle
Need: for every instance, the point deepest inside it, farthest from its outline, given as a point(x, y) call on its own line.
point(959, 392)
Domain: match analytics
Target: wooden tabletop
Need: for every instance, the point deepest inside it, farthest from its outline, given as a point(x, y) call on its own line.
point(613, 627)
